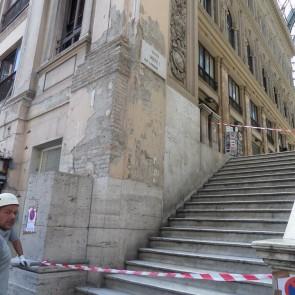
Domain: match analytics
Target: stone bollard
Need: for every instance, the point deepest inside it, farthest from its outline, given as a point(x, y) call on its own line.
point(279, 254)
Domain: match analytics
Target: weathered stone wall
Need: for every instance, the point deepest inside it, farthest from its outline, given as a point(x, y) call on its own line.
point(63, 207)
point(188, 162)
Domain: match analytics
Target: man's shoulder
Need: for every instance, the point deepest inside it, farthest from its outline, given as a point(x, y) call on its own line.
point(5, 234)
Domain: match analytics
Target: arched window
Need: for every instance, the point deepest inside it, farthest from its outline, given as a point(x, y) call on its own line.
point(207, 5)
point(250, 57)
point(230, 29)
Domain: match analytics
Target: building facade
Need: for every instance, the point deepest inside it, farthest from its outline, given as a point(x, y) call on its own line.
point(113, 111)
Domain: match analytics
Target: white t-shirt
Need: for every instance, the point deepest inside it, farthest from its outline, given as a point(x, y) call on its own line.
point(5, 257)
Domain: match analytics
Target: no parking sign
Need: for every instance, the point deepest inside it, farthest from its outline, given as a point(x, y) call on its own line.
point(287, 285)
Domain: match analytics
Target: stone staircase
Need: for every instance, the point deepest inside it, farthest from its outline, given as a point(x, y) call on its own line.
point(249, 199)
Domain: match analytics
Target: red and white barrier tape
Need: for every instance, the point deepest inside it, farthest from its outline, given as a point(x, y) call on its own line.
point(210, 276)
point(259, 128)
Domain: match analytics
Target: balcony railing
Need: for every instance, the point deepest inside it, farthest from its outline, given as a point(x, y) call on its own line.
point(235, 105)
point(208, 78)
point(6, 86)
point(68, 40)
point(13, 12)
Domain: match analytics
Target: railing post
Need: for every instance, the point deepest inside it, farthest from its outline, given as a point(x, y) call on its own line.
point(279, 254)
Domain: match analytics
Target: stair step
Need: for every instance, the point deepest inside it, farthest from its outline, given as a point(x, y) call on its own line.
point(203, 246)
point(263, 156)
point(147, 286)
point(256, 182)
point(219, 234)
point(254, 166)
point(238, 288)
point(213, 262)
point(246, 189)
point(243, 197)
point(267, 204)
point(231, 223)
point(98, 291)
point(260, 176)
point(257, 162)
point(249, 199)
point(236, 213)
point(255, 171)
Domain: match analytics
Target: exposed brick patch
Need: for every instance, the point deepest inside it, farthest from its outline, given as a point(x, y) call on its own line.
point(107, 69)
point(104, 60)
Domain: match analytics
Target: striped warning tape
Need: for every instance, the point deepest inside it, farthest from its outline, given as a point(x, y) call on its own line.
point(255, 127)
point(210, 276)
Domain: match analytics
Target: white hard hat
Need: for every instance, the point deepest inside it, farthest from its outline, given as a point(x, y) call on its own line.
point(7, 199)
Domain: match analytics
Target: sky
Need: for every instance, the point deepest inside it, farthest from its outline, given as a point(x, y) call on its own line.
point(286, 6)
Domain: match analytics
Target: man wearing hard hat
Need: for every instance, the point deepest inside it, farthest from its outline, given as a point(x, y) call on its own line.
point(8, 212)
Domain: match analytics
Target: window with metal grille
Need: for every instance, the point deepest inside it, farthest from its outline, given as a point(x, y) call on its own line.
point(8, 67)
point(254, 114)
point(234, 95)
point(250, 58)
point(230, 29)
point(13, 9)
point(72, 24)
point(207, 67)
point(276, 96)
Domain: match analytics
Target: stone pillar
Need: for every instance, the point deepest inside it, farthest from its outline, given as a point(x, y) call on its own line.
point(224, 99)
point(87, 18)
point(215, 119)
point(279, 254)
point(221, 128)
point(248, 131)
point(30, 55)
point(205, 112)
point(264, 132)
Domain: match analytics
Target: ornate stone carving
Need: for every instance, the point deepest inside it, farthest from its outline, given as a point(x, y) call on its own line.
point(178, 46)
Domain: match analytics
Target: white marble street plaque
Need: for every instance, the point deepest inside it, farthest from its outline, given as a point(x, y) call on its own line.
point(153, 59)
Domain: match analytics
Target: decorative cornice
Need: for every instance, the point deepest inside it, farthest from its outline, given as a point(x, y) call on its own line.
point(215, 117)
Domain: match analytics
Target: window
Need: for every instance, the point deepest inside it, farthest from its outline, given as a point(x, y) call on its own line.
point(249, 58)
point(276, 96)
point(207, 67)
point(8, 68)
point(234, 95)
point(50, 158)
point(264, 80)
point(230, 29)
point(207, 5)
point(13, 9)
point(254, 114)
point(269, 133)
point(72, 24)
